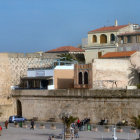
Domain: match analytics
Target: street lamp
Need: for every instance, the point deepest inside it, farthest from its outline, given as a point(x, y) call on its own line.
point(114, 135)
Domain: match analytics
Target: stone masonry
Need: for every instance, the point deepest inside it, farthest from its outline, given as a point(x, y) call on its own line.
point(114, 105)
point(12, 67)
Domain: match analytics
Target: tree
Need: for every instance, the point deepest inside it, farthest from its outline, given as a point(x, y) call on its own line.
point(136, 123)
point(66, 57)
point(68, 120)
point(72, 57)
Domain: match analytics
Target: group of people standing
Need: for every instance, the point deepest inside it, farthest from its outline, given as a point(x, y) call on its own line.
point(74, 129)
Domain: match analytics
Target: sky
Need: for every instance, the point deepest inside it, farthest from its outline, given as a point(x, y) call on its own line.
point(28, 26)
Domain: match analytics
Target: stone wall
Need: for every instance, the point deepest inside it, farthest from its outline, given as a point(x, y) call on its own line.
point(113, 73)
point(96, 104)
point(12, 67)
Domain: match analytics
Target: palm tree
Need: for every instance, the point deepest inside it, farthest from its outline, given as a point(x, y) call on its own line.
point(68, 120)
point(72, 57)
point(136, 123)
point(66, 57)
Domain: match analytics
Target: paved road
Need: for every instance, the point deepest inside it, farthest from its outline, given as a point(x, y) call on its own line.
point(13, 133)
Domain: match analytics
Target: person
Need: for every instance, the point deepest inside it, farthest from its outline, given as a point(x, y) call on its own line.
point(78, 123)
point(49, 138)
point(6, 124)
point(0, 129)
point(72, 131)
point(52, 138)
point(105, 121)
point(32, 124)
point(76, 132)
point(123, 121)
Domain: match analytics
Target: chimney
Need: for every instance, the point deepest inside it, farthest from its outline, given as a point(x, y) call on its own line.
point(116, 22)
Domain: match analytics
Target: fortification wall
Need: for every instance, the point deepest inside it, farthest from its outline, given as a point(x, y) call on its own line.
point(96, 104)
point(12, 67)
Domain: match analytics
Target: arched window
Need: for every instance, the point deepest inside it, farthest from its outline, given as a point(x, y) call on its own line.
point(103, 39)
point(112, 37)
point(94, 38)
point(80, 78)
point(85, 78)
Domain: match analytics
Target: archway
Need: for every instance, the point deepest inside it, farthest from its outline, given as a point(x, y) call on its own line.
point(19, 108)
point(85, 78)
point(103, 39)
point(80, 78)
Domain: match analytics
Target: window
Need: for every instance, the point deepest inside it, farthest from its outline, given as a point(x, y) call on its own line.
point(80, 78)
point(128, 39)
point(112, 37)
point(138, 38)
point(99, 54)
point(103, 39)
point(94, 38)
point(85, 78)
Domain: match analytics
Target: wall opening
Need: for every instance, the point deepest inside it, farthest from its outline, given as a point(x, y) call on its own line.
point(80, 78)
point(19, 108)
point(103, 39)
point(94, 38)
point(44, 84)
point(85, 78)
point(112, 37)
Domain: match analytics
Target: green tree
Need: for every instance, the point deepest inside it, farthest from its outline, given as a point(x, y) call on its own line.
point(136, 123)
point(72, 57)
point(68, 121)
point(66, 57)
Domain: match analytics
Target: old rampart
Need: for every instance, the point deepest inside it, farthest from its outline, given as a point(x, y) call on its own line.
point(114, 105)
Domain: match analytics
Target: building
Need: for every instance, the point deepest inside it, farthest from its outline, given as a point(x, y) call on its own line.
point(105, 39)
point(129, 41)
point(73, 52)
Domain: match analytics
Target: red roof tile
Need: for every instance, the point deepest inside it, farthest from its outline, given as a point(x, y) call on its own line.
point(118, 54)
point(108, 28)
point(66, 49)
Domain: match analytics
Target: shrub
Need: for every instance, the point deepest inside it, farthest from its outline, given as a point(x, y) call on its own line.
point(41, 124)
point(94, 126)
point(136, 121)
point(133, 128)
point(106, 127)
point(119, 127)
point(138, 86)
point(15, 123)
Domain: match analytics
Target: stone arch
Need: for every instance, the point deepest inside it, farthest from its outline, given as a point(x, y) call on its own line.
point(94, 38)
point(80, 75)
point(19, 108)
point(85, 77)
point(103, 38)
point(112, 37)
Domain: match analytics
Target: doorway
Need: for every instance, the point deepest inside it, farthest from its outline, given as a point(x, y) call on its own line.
point(19, 108)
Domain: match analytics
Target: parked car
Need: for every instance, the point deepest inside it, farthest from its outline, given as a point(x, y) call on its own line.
point(13, 119)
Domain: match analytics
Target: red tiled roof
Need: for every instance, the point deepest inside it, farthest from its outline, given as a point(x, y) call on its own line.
point(129, 33)
point(108, 28)
point(118, 54)
point(66, 49)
